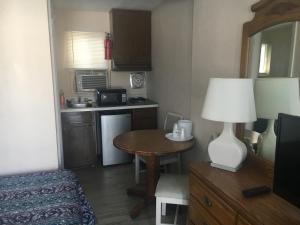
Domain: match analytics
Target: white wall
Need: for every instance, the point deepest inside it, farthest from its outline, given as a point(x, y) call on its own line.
point(216, 53)
point(216, 37)
point(64, 20)
point(27, 132)
point(170, 80)
point(88, 21)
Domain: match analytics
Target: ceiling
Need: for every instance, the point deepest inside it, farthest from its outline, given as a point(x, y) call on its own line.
point(105, 5)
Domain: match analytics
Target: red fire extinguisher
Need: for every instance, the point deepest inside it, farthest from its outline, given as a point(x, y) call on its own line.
point(108, 46)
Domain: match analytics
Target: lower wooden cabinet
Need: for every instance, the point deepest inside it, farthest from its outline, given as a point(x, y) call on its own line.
point(216, 197)
point(200, 216)
point(144, 118)
point(208, 203)
point(242, 221)
point(79, 139)
point(79, 132)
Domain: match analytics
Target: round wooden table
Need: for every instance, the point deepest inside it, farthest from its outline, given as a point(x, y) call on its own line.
point(151, 144)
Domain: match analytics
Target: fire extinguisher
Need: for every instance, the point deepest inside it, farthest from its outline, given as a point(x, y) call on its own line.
point(108, 46)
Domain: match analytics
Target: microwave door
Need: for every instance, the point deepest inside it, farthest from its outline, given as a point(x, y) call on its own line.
point(110, 99)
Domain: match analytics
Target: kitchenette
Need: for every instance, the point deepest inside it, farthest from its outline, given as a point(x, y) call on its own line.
point(88, 131)
point(102, 70)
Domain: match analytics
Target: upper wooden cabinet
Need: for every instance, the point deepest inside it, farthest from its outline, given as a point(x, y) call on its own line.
point(131, 35)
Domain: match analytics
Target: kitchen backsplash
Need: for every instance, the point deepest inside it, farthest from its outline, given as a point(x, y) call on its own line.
point(122, 79)
point(116, 80)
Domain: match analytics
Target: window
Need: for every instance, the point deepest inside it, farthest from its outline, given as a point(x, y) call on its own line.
point(85, 50)
point(265, 59)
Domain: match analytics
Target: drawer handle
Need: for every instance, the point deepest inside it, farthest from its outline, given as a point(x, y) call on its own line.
point(206, 201)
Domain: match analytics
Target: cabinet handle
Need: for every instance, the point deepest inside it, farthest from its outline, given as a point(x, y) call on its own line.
point(206, 201)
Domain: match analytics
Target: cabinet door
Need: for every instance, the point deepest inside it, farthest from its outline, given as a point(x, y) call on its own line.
point(199, 215)
point(211, 202)
point(79, 139)
point(143, 119)
point(79, 145)
point(131, 34)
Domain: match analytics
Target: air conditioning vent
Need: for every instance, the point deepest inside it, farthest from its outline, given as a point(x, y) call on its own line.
point(93, 82)
point(90, 80)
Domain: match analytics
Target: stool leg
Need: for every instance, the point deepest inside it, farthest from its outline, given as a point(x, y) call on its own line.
point(179, 166)
point(158, 211)
point(176, 215)
point(163, 209)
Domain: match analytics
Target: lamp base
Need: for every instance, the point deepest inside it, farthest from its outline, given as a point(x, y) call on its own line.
point(228, 168)
point(267, 148)
point(227, 152)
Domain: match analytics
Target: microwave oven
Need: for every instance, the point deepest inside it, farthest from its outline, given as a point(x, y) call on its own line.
point(111, 97)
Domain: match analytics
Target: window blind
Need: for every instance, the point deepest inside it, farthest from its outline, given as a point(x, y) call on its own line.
point(265, 59)
point(85, 50)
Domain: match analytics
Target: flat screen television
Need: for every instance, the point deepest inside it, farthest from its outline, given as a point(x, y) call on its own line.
point(287, 159)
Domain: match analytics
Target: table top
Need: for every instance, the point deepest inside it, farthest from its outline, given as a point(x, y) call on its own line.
point(150, 142)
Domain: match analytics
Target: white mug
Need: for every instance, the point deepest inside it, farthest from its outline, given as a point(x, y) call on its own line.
point(187, 125)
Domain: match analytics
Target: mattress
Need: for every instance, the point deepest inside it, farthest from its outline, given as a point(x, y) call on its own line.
point(48, 198)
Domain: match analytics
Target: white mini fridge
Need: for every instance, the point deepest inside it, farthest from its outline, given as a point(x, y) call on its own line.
point(112, 126)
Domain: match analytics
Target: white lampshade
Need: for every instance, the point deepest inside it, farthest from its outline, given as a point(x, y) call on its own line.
point(229, 100)
point(276, 95)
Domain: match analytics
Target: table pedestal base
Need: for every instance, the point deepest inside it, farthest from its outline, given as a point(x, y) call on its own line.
point(148, 195)
point(135, 191)
point(136, 210)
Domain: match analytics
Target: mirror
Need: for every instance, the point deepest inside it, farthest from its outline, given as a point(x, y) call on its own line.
point(274, 51)
point(270, 49)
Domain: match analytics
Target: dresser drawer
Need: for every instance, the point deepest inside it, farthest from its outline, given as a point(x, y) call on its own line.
point(211, 202)
point(198, 215)
point(242, 221)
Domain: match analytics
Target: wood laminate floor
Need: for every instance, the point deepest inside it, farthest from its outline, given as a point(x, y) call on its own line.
point(106, 190)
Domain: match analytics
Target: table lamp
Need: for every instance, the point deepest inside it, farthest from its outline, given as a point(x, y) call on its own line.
point(229, 101)
point(273, 96)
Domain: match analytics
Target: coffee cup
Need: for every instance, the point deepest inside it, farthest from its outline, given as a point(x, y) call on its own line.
point(187, 125)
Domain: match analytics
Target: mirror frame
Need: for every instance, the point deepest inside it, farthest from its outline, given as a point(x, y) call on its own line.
point(267, 13)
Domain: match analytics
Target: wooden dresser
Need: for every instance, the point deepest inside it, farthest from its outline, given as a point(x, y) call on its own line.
point(216, 197)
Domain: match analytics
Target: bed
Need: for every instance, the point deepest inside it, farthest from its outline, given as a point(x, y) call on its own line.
point(47, 198)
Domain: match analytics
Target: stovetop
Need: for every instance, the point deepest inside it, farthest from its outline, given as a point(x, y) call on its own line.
point(135, 100)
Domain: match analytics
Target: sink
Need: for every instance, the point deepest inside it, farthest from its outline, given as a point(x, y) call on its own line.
point(78, 104)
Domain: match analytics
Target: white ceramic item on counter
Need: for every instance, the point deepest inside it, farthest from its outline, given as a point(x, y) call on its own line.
point(187, 125)
point(172, 138)
point(176, 131)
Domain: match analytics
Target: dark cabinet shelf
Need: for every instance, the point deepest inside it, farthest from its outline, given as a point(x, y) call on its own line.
point(131, 35)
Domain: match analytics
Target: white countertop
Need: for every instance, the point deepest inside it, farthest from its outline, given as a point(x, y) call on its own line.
point(97, 108)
